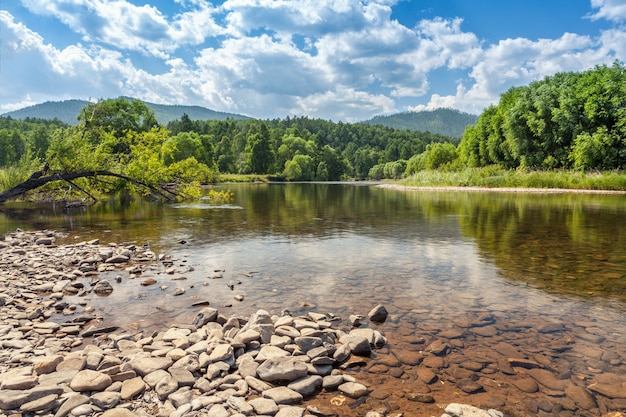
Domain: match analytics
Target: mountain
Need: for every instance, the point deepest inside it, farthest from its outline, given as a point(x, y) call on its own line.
point(67, 111)
point(446, 122)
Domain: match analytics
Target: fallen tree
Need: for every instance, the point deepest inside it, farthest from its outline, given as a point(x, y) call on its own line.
point(40, 178)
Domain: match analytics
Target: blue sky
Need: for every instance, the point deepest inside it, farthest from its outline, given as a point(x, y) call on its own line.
point(343, 60)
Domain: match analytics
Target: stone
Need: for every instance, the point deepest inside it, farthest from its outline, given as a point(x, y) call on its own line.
point(42, 404)
point(290, 412)
point(206, 315)
point(281, 369)
point(264, 406)
point(89, 380)
point(378, 314)
point(581, 397)
point(70, 403)
point(240, 405)
point(358, 344)
point(526, 384)
point(283, 395)
point(353, 389)
point(48, 364)
point(332, 382)
point(547, 379)
point(222, 353)
point(105, 400)
point(119, 412)
point(132, 387)
point(306, 385)
point(166, 386)
point(463, 410)
point(469, 386)
point(144, 366)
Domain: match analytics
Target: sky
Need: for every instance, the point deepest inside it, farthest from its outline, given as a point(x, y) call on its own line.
point(340, 60)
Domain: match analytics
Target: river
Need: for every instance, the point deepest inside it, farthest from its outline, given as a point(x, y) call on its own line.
point(492, 276)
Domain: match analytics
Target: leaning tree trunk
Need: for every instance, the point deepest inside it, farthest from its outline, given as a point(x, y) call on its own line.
point(36, 181)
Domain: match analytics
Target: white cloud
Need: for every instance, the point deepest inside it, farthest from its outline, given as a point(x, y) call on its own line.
point(124, 25)
point(613, 10)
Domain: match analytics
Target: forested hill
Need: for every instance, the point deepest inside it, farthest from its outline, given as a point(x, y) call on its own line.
point(67, 111)
point(445, 122)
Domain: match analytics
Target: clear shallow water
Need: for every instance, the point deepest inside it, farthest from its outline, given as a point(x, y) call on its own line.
point(436, 260)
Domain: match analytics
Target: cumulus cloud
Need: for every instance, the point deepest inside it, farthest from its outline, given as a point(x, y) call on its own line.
point(339, 59)
point(613, 10)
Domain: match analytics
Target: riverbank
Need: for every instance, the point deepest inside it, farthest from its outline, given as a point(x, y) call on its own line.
point(475, 189)
point(59, 356)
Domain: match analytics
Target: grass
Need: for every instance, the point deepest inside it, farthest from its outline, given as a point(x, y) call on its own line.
point(242, 178)
point(496, 177)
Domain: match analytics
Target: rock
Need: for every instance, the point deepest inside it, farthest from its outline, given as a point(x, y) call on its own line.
point(358, 344)
point(48, 364)
point(421, 398)
point(206, 315)
point(222, 353)
point(41, 404)
point(581, 397)
point(463, 410)
point(132, 387)
point(166, 386)
point(89, 380)
point(70, 403)
point(264, 406)
point(353, 389)
point(144, 366)
point(306, 385)
point(547, 379)
point(105, 400)
point(283, 395)
point(281, 369)
point(378, 314)
point(469, 386)
point(290, 412)
point(119, 412)
point(526, 384)
point(103, 288)
point(240, 405)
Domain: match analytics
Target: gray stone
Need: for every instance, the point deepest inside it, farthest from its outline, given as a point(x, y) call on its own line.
point(307, 385)
point(264, 406)
point(290, 412)
point(464, 410)
point(206, 315)
point(353, 389)
point(222, 353)
point(283, 395)
point(239, 404)
point(358, 344)
point(307, 343)
point(154, 377)
point(378, 314)
point(281, 369)
point(257, 384)
point(270, 352)
point(218, 410)
point(181, 397)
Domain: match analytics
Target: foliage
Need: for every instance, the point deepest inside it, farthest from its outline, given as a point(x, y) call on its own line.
point(496, 176)
point(569, 120)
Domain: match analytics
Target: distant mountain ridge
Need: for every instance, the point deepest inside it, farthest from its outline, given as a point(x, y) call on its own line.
point(68, 110)
point(447, 122)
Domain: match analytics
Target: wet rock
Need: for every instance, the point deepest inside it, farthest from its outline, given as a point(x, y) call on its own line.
point(527, 385)
point(378, 314)
point(353, 389)
point(469, 386)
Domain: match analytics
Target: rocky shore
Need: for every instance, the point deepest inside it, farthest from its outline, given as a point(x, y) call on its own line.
point(57, 359)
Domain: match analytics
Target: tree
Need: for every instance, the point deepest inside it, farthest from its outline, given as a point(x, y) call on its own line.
point(300, 168)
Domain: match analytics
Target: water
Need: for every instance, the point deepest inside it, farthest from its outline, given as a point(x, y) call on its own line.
point(439, 261)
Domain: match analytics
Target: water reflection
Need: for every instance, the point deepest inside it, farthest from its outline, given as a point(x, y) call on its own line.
point(479, 270)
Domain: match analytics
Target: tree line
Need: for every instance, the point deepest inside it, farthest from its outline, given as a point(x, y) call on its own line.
point(572, 120)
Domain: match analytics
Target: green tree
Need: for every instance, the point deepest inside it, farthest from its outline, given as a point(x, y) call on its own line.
point(300, 168)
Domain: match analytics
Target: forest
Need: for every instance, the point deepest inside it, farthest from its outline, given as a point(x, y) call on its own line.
point(572, 120)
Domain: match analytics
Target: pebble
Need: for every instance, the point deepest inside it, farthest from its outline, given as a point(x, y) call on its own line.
point(211, 366)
